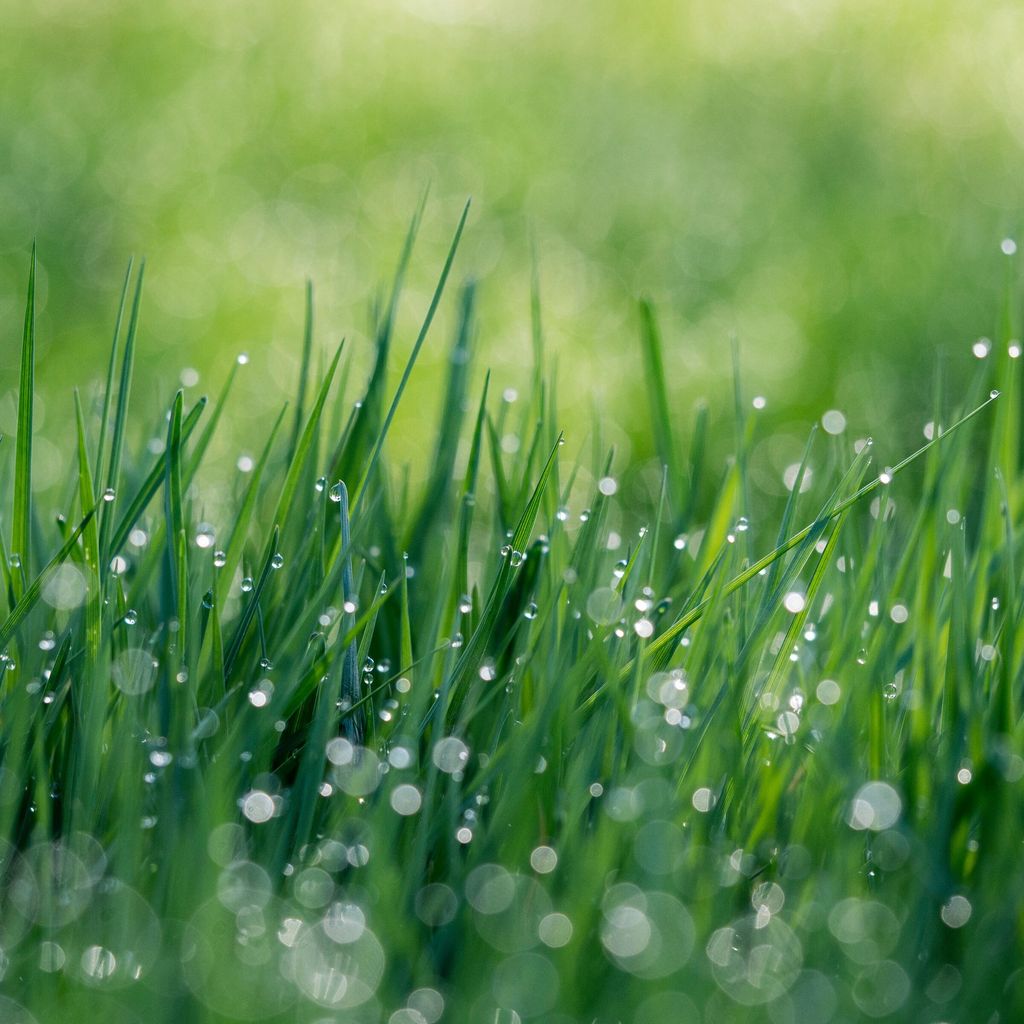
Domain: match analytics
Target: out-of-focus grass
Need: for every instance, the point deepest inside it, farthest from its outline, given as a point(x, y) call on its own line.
point(829, 181)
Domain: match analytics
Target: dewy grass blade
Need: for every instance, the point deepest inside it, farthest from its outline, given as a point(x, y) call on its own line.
point(174, 512)
point(90, 536)
point(31, 595)
point(350, 683)
point(251, 606)
point(676, 630)
point(151, 484)
point(240, 530)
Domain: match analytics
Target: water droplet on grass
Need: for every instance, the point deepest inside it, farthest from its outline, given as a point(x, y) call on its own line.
point(956, 911)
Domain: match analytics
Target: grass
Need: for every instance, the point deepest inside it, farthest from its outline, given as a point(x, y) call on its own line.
point(547, 737)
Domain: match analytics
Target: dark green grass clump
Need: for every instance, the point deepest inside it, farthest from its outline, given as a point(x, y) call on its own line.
point(526, 742)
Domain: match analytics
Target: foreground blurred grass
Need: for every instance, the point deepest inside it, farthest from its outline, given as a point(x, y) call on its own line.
point(829, 181)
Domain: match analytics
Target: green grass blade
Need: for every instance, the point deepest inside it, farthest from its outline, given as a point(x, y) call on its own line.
point(151, 484)
point(407, 372)
point(22, 520)
point(120, 422)
point(31, 595)
point(108, 390)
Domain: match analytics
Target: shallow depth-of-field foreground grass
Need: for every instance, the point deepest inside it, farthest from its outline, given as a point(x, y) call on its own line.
point(521, 742)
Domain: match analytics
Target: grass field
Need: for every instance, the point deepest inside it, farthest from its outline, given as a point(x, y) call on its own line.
point(531, 732)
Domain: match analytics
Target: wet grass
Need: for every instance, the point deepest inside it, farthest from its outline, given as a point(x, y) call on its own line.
point(534, 739)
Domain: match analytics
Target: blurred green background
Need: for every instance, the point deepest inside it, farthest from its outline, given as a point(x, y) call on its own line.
point(828, 180)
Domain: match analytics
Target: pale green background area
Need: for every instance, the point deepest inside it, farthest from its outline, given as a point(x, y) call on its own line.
point(829, 180)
